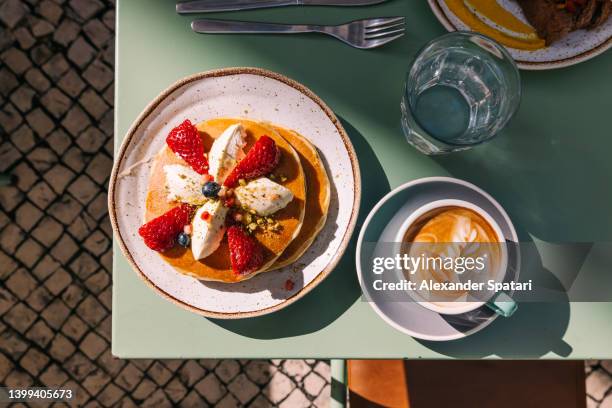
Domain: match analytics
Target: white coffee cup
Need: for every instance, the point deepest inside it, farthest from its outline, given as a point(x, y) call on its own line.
point(502, 305)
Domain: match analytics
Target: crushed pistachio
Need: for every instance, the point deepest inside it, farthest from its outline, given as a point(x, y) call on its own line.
point(253, 222)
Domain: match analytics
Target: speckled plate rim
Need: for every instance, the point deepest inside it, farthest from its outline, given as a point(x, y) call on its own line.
point(371, 216)
point(531, 65)
point(221, 73)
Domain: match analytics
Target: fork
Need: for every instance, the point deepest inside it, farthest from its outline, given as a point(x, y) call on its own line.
point(364, 34)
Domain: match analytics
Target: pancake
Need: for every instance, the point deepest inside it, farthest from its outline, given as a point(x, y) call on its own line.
point(317, 197)
point(217, 266)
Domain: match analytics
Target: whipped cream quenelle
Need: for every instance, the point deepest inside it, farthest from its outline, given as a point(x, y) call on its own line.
point(208, 230)
point(183, 185)
point(263, 196)
point(226, 152)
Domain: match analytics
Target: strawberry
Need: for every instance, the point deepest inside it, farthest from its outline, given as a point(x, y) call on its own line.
point(259, 161)
point(245, 252)
point(160, 233)
point(187, 144)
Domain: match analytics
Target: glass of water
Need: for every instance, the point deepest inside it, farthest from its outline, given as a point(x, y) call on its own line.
point(461, 90)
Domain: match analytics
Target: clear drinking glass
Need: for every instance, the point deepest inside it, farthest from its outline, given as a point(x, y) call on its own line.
point(461, 90)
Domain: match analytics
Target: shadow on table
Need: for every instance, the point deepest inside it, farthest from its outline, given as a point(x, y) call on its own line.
point(534, 330)
point(549, 178)
point(340, 289)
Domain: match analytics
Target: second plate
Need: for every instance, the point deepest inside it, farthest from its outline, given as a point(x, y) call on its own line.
point(576, 47)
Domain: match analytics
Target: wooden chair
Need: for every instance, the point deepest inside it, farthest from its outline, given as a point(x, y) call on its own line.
point(466, 384)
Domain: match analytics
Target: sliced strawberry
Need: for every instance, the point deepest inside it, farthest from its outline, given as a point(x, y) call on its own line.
point(160, 233)
point(187, 144)
point(245, 252)
point(259, 161)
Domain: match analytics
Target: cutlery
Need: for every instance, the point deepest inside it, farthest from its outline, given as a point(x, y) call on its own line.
point(210, 6)
point(365, 34)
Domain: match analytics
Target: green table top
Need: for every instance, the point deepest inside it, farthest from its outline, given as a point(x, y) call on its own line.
point(550, 169)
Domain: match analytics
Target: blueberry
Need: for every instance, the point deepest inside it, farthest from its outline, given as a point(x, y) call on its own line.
point(211, 189)
point(183, 239)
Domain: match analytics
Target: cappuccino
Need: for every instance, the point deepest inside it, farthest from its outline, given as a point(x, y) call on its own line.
point(458, 244)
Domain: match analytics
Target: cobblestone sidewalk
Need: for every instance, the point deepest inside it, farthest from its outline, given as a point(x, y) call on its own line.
point(56, 124)
point(56, 118)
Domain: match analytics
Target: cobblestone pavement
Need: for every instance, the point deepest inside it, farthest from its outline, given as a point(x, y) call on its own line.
point(56, 123)
point(56, 97)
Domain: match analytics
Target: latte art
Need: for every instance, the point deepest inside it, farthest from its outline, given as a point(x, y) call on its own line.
point(453, 236)
point(454, 225)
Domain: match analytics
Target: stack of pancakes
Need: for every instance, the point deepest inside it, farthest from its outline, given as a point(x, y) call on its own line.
point(301, 220)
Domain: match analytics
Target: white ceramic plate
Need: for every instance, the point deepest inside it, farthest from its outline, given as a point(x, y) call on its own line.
point(381, 227)
point(576, 47)
point(254, 94)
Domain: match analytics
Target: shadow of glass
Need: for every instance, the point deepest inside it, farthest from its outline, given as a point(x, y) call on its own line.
point(340, 289)
point(548, 169)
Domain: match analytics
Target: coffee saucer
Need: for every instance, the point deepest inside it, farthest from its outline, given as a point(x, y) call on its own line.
point(381, 227)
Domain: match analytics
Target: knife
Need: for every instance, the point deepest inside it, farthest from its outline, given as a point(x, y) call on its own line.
point(211, 6)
